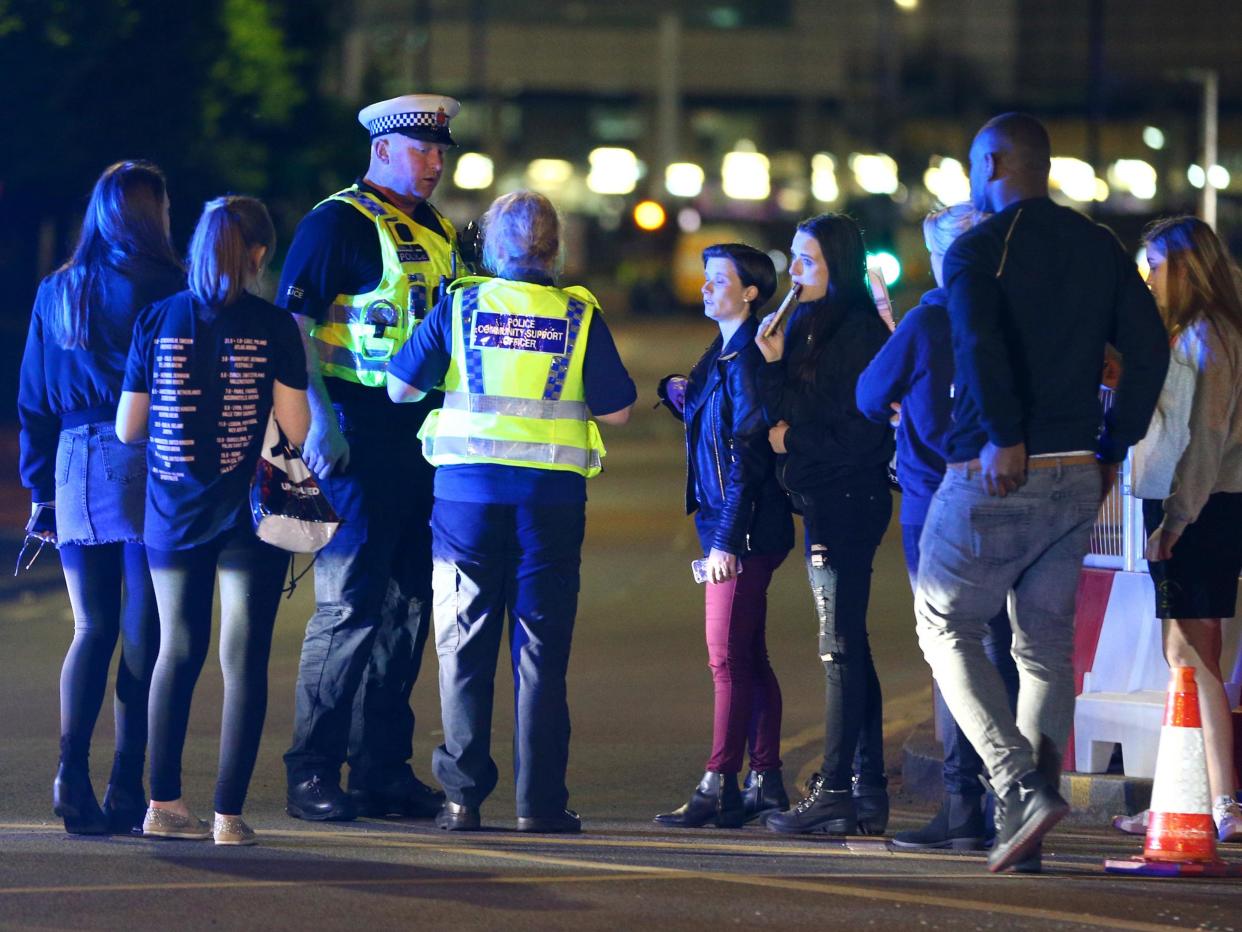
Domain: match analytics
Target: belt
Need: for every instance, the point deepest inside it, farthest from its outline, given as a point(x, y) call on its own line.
point(974, 467)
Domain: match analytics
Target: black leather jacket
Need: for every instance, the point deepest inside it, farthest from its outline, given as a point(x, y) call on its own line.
point(730, 481)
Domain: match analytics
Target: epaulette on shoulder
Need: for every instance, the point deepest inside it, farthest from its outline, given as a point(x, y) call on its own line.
point(578, 291)
point(466, 281)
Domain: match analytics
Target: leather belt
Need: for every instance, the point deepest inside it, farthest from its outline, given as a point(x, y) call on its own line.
point(974, 467)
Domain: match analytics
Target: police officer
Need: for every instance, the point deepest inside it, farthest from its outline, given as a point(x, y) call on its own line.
point(363, 269)
point(525, 366)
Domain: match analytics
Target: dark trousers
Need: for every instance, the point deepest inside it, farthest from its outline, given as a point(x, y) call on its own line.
point(364, 644)
point(110, 591)
point(962, 765)
point(490, 560)
point(748, 696)
point(251, 573)
point(843, 531)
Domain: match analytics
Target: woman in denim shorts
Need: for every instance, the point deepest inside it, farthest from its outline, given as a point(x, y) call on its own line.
point(88, 489)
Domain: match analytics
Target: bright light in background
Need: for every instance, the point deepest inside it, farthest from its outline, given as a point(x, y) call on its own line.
point(947, 180)
point(613, 171)
point(689, 220)
point(875, 173)
point(907, 5)
point(779, 260)
point(744, 176)
point(1196, 176)
point(824, 185)
point(473, 172)
point(1218, 176)
point(548, 175)
point(683, 179)
point(1076, 180)
point(1133, 175)
point(1153, 137)
point(888, 265)
point(1140, 259)
point(648, 215)
point(791, 199)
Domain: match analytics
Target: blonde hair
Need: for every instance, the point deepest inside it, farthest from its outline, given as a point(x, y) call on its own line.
point(942, 227)
point(521, 230)
point(1203, 279)
point(220, 252)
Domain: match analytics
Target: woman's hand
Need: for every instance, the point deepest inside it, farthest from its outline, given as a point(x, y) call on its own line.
point(1160, 545)
point(895, 420)
point(773, 345)
point(776, 436)
point(675, 388)
point(721, 566)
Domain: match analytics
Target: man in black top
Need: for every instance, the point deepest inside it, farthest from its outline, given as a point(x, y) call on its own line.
point(364, 268)
point(1035, 294)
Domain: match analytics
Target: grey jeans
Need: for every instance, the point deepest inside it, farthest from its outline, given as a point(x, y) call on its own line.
point(975, 548)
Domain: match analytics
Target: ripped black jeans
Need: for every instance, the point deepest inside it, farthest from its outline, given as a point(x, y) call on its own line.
point(844, 528)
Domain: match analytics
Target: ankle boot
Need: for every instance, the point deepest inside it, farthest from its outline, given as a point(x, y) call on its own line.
point(716, 799)
point(959, 825)
point(871, 804)
point(821, 810)
point(125, 807)
point(762, 794)
point(73, 799)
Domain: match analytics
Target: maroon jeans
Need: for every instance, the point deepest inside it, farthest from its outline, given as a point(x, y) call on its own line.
point(748, 697)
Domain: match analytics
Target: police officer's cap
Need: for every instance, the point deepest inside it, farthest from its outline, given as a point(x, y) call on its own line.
point(419, 116)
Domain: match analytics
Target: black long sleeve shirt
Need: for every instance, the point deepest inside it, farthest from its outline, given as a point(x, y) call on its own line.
point(1035, 293)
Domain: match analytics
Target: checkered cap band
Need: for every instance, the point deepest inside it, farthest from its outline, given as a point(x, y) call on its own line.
point(394, 121)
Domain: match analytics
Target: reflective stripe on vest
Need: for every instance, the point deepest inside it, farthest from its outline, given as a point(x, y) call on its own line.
point(360, 333)
point(514, 391)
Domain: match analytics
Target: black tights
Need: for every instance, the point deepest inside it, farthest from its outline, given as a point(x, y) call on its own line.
point(110, 591)
point(250, 573)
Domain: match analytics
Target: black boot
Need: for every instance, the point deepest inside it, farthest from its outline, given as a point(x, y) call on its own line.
point(822, 810)
point(124, 807)
point(403, 795)
point(762, 794)
point(959, 825)
point(73, 799)
point(716, 799)
point(871, 804)
point(1024, 814)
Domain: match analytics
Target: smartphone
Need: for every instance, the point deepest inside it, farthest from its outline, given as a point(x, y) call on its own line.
point(879, 292)
point(699, 569)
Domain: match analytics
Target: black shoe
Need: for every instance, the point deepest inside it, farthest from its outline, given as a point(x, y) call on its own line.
point(454, 817)
point(1033, 863)
point(823, 810)
point(73, 799)
point(763, 794)
point(958, 825)
point(716, 799)
point(317, 800)
point(124, 807)
point(567, 822)
point(1027, 811)
point(871, 805)
point(406, 796)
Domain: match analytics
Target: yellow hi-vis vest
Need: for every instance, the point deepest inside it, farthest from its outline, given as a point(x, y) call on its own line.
point(361, 332)
point(513, 393)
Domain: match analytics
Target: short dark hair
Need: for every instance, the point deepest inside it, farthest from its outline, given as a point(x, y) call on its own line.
point(1025, 138)
point(753, 267)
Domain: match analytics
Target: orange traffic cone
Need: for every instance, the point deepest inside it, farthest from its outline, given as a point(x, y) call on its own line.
point(1181, 835)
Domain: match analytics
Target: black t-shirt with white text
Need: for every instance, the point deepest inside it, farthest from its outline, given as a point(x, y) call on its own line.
point(209, 372)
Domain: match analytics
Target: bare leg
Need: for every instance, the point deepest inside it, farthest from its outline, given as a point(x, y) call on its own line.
point(1196, 642)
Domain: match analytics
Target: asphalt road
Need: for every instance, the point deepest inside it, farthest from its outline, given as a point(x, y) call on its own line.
point(640, 696)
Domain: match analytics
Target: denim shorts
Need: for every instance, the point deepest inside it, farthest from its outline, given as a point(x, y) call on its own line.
point(101, 486)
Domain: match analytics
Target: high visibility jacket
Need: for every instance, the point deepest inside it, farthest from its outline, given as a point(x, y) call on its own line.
point(514, 393)
point(361, 332)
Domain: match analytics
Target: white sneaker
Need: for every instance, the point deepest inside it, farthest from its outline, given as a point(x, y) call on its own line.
point(1228, 816)
point(1133, 824)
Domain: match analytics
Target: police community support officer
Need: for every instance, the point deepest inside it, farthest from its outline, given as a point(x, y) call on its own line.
point(525, 365)
point(363, 269)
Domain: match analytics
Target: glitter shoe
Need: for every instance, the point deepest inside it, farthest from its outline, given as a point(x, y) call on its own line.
point(231, 830)
point(1228, 816)
point(163, 823)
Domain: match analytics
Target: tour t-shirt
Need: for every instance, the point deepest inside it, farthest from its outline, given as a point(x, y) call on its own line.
point(209, 372)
